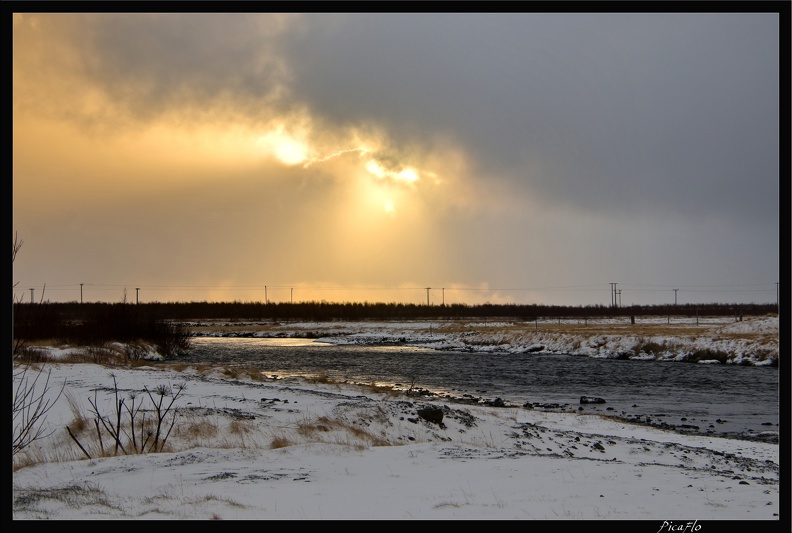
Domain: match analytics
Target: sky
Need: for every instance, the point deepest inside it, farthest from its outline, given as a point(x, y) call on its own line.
point(253, 448)
point(404, 157)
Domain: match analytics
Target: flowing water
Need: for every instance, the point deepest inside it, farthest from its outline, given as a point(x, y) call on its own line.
point(716, 399)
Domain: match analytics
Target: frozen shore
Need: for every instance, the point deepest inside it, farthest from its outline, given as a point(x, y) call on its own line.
point(248, 447)
point(750, 341)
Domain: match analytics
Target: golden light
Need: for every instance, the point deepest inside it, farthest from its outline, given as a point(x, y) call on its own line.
point(285, 147)
point(290, 152)
point(375, 169)
point(406, 175)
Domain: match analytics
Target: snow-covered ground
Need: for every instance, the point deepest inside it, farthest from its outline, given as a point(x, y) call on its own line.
point(246, 446)
point(753, 340)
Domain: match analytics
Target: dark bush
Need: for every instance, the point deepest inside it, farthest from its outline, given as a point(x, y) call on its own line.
point(97, 324)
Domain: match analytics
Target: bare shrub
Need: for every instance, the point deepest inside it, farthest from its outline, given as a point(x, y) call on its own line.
point(33, 397)
point(31, 355)
point(101, 355)
point(140, 434)
point(708, 355)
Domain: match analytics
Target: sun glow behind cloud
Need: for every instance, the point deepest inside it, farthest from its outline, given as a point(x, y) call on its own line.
point(252, 153)
point(406, 175)
point(349, 205)
point(389, 178)
point(286, 147)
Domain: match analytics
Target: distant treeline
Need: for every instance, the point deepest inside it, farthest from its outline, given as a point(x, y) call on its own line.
point(324, 311)
point(96, 324)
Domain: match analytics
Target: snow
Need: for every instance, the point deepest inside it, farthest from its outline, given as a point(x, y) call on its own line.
point(256, 447)
point(750, 341)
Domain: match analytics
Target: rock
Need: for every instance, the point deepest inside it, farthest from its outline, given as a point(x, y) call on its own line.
point(591, 399)
point(431, 414)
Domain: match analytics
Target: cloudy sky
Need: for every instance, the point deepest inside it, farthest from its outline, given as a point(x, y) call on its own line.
point(528, 158)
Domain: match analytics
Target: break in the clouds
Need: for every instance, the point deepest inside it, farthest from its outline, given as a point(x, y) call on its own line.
point(524, 157)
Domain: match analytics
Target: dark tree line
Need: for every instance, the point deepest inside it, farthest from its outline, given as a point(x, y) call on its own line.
point(120, 320)
point(96, 324)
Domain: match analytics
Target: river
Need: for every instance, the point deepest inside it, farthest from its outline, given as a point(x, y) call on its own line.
point(715, 399)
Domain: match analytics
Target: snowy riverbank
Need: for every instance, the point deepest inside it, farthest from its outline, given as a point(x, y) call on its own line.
point(750, 341)
point(248, 447)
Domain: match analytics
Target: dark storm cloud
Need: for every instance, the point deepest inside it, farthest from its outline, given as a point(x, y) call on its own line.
point(151, 64)
point(549, 150)
point(607, 112)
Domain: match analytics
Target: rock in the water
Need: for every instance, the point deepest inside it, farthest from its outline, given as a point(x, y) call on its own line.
point(591, 399)
point(497, 402)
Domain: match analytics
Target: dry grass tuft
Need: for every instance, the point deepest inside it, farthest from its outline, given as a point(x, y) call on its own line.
point(79, 422)
point(199, 429)
point(256, 375)
point(388, 390)
point(279, 442)
point(240, 427)
point(32, 355)
point(321, 377)
point(231, 372)
point(355, 434)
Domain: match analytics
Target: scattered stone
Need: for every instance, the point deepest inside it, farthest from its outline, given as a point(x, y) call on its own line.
point(591, 399)
point(431, 414)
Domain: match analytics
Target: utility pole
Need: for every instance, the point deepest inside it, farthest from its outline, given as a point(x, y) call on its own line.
point(613, 294)
point(81, 300)
point(427, 295)
point(266, 300)
point(292, 295)
point(675, 296)
point(31, 294)
point(619, 294)
point(137, 295)
point(443, 296)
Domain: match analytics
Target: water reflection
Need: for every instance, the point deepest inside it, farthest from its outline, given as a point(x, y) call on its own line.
point(716, 398)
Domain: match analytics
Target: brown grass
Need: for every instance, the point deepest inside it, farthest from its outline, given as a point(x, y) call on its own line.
point(200, 428)
point(343, 432)
point(321, 377)
point(279, 442)
point(683, 327)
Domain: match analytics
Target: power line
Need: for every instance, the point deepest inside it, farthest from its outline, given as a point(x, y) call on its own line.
point(508, 292)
